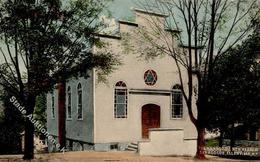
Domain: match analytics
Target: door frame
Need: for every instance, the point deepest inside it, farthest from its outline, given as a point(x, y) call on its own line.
point(142, 107)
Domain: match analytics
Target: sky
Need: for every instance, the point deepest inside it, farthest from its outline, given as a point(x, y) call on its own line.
point(122, 8)
point(119, 10)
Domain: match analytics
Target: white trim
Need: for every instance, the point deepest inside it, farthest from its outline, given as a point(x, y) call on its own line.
point(94, 103)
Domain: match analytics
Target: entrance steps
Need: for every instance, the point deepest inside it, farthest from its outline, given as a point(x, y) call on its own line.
point(133, 146)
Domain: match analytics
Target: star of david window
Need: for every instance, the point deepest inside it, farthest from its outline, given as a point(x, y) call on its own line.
point(150, 77)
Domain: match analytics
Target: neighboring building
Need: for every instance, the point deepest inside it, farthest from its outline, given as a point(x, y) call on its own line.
point(138, 96)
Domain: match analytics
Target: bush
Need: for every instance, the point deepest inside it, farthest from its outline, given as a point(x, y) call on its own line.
point(211, 143)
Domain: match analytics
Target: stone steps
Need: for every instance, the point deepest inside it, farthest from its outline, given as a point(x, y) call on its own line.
point(133, 146)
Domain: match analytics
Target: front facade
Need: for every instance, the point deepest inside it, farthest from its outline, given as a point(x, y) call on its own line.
point(138, 96)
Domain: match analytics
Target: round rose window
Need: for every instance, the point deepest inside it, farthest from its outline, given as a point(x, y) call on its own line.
point(150, 77)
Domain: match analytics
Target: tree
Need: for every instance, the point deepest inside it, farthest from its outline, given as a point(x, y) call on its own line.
point(40, 110)
point(1, 107)
point(10, 126)
point(236, 88)
point(209, 28)
point(43, 43)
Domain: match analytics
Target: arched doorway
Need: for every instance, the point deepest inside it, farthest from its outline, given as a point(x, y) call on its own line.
point(150, 118)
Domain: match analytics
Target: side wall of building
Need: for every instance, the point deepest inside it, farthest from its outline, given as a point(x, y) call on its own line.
point(52, 122)
point(80, 129)
point(79, 132)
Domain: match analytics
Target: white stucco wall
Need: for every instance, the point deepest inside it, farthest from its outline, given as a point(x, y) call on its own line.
point(110, 129)
point(167, 142)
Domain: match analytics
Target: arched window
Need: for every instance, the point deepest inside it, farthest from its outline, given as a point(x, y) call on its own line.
point(80, 110)
point(120, 107)
point(52, 105)
point(69, 103)
point(177, 103)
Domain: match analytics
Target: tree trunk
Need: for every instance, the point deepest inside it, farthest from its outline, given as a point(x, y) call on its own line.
point(232, 137)
point(29, 129)
point(200, 154)
point(221, 136)
point(252, 134)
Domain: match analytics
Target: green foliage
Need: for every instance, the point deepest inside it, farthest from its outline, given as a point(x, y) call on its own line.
point(148, 51)
point(45, 42)
point(235, 96)
point(53, 40)
point(1, 108)
point(10, 139)
point(1, 114)
point(211, 143)
point(11, 126)
point(40, 110)
point(126, 43)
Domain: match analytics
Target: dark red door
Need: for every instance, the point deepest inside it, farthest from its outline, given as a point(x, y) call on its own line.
point(150, 118)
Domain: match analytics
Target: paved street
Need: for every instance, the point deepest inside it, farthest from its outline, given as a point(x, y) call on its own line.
point(88, 156)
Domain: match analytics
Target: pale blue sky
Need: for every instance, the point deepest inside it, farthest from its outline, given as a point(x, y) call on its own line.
point(122, 8)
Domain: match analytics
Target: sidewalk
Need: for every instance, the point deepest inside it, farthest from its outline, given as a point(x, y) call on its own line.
point(91, 156)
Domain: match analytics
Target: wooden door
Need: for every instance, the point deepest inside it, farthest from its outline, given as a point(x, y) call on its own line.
point(150, 118)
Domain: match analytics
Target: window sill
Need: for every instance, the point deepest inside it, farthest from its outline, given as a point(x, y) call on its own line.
point(69, 119)
point(120, 117)
point(176, 118)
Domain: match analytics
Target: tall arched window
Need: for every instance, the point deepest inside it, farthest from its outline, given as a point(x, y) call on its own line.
point(80, 110)
point(120, 107)
point(177, 103)
point(69, 103)
point(52, 105)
